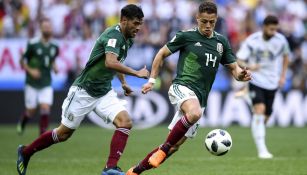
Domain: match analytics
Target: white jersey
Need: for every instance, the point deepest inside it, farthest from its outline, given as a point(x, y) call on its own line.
point(268, 54)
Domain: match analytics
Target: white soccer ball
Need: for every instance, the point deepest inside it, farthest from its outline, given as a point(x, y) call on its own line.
point(218, 142)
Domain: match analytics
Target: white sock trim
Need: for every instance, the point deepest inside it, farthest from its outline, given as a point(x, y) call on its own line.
point(124, 130)
point(258, 132)
point(55, 136)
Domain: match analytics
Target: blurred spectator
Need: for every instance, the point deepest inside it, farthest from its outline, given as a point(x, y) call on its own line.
point(86, 19)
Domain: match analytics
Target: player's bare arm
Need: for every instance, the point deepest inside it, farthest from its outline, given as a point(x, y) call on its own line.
point(127, 90)
point(238, 73)
point(156, 65)
point(251, 67)
point(35, 73)
point(284, 70)
point(55, 68)
point(111, 62)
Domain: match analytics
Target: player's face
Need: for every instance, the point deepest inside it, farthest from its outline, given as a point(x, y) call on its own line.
point(46, 29)
point(206, 23)
point(269, 30)
point(132, 27)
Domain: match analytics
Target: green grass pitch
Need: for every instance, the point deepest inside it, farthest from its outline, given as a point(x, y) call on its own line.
point(86, 152)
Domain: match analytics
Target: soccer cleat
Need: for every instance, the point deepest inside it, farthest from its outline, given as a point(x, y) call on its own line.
point(20, 129)
point(130, 172)
point(157, 158)
point(112, 171)
point(22, 162)
point(265, 155)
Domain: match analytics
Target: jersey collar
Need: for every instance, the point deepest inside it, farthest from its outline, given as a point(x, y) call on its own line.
point(212, 34)
point(120, 30)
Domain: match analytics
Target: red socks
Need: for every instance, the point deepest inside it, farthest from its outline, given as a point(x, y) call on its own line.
point(144, 164)
point(179, 130)
point(43, 124)
point(42, 142)
point(117, 146)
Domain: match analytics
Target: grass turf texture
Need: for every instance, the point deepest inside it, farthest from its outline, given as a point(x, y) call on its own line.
point(86, 152)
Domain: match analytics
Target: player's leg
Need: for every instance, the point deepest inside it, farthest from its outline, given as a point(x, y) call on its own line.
point(270, 96)
point(44, 110)
point(60, 134)
point(30, 97)
point(111, 109)
point(192, 111)
point(144, 164)
point(75, 106)
point(187, 102)
point(45, 100)
point(269, 99)
point(258, 121)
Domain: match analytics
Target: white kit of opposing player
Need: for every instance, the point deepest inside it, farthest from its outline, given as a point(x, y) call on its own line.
point(268, 55)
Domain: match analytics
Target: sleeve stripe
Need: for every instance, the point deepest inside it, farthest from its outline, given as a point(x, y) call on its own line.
point(112, 53)
point(168, 48)
point(229, 63)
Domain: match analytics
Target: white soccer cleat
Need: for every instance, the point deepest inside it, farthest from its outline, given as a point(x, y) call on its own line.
point(265, 155)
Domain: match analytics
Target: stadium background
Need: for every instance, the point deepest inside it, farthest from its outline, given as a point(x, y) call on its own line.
point(77, 23)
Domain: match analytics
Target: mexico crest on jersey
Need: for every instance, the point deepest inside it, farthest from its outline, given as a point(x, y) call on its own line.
point(219, 48)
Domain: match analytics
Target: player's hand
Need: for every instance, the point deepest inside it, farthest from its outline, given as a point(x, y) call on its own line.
point(127, 90)
point(282, 81)
point(244, 75)
point(143, 73)
point(147, 87)
point(254, 67)
point(35, 73)
point(55, 70)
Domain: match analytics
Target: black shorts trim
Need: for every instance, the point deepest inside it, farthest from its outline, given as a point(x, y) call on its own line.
point(261, 95)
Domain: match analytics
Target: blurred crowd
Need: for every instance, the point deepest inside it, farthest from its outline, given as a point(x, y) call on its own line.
point(86, 19)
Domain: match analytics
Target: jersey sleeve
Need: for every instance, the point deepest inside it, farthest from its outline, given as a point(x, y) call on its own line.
point(176, 43)
point(286, 48)
point(244, 52)
point(27, 53)
point(113, 44)
point(57, 51)
point(228, 57)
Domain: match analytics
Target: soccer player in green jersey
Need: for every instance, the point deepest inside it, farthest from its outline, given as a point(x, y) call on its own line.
point(201, 51)
point(92, 91)
point(38, 60)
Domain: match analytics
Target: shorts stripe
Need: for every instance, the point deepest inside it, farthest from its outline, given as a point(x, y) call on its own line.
point(177, 91)
point(70, 98)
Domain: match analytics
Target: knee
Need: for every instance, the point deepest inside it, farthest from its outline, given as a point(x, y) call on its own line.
point(124, 122)
point(259, 108)
point(63, 136)
point(44, 111)
point(194, 115)
point(30, 113)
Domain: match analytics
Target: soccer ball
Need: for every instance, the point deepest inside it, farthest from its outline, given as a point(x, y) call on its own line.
point(218, 142)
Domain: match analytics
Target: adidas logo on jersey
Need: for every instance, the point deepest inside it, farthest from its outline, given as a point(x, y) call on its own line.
point(197, 44)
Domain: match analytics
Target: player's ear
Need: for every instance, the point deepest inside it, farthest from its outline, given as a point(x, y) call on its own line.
point(197, 16)
point(123, 19)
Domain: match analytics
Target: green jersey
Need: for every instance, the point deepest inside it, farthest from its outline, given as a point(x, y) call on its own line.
point(199, 60)
point(41, 56)
point(96, 77)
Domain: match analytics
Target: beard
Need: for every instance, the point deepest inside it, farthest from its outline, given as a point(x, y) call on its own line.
point(267, 37)
point(46, 34)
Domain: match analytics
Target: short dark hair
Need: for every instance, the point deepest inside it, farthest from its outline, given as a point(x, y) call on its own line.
point(270, 19)
point(131, 11)
point(208, 7)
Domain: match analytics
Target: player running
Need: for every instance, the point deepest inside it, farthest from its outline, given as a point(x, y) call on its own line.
point(38, 60)
point(92, 91)
point(266, 54)
point(201, 51)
